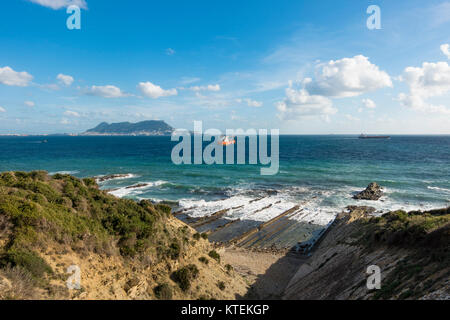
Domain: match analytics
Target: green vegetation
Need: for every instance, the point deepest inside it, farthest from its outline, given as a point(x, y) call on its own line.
point(37, 210)
point(229, 267)
point(221, 285)
point(399, 228)
point(196, 236)
point(185, 275)
point(203, 260)
point(213, 254)
point(204, 235)
point(163, 291)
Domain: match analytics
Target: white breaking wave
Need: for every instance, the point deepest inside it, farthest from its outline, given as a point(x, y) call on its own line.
point(64, 172)
point(138, 188)
point(439, 189)
point(319, 207)
point(125, 176)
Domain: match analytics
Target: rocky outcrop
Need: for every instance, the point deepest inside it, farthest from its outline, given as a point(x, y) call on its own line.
point(372, 192)
point(411, 250)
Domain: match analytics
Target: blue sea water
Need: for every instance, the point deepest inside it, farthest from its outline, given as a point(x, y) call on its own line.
point(320, 173)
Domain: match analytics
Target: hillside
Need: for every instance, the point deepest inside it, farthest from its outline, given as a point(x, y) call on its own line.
point(143, 128)
point(412, 250)
point(125, 249)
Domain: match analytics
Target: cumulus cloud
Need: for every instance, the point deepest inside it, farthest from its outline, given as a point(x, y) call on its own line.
point(154, 91)
point(58, 4)
point(10, 77)
point(370, 104)
point(29, 104)
point(253, 103)
point(431, 80)
point(65, 79)
point(2, 109)
point(445, 48)
point(209, 87)
point(348, 77)
point(108, 91)
point(72, 113)
point(300, 104)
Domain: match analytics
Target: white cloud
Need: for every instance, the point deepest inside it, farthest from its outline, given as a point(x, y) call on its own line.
point(29, 104)
point(72, 113)
point(170, 52)
point(348, 77)
point(154, 91)
point(431, 80)
point(209, 87)
point(370, 104)
point(300, 104)
point(108, 91)
point(2, 109)
point(64, 121)
point(189, 80)
point(351, 118)
point(65, 79)
point(58, 4)
point(10, 77)
point(445, 48)
point(253, 103)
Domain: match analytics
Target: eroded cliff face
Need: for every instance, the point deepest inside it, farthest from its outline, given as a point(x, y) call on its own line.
point(411, 249)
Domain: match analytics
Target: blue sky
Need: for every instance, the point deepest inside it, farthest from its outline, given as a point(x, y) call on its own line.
point(305, 67)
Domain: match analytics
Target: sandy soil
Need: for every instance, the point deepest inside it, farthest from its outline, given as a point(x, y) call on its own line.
point(267, 273)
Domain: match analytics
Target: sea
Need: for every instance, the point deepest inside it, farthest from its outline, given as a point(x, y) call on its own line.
point(318, 173)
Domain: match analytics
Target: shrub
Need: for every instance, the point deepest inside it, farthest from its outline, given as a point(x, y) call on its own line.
point(221, 285)
point(196, 236)
point(27, 260)
point(213, 254)
point(174, 251)
point(163, 291)
point(203, 260)
point(164, 208)
point(204, 235)
point(185, 275)
point(229, 267)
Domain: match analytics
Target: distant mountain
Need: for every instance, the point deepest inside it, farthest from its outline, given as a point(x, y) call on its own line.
point(143, 128)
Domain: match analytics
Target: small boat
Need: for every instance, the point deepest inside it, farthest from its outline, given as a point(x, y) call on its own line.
point(225, 141)
point(365, 136)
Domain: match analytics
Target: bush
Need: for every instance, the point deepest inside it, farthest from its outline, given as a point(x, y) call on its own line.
point(213, 254)
point(203, 260)
point(174, 251)
point(221, 285)
point(163, 291)
point(164, 208)
point(229, 267)
point(185, 275)
point(196, 236)
point(204, 235)
point(27, 260)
